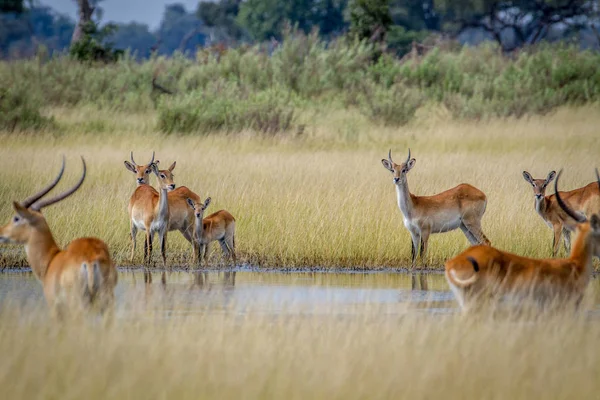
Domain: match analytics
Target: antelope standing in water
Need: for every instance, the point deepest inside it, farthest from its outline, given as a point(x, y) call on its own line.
point(484, 269)
point(181, 218)
point(149, 209)
point(586, 199)
point(217, 226)
point(81, 275)
point(460, 207)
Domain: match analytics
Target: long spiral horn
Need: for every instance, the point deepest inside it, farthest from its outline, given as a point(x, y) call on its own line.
point(56, 199)
point(577, 217)
point(33, 198)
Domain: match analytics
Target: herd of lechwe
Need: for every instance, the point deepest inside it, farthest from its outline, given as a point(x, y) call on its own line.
point(84, 275)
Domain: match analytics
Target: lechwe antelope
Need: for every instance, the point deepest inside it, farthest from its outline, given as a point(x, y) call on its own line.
point(149, 210)
point(485, 270)
point(181, 218)
point(586, 199)
point(217, 226)
point(81, 275)
point(460, 207)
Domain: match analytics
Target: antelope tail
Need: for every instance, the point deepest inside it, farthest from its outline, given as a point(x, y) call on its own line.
point(91, 279)
point(468, 281)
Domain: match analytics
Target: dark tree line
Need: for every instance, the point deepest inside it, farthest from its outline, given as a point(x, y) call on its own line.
point(393, 24)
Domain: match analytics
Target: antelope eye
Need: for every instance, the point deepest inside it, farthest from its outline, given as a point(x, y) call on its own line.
point(147, 171)
point(162, 176)
point(16, 219)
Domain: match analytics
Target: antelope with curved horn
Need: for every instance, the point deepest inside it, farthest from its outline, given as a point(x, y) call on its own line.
point(81, 275)
point(142, 172)
point(149, 209)
point(218, 226)
point(460, 207)
point(586, 199)
point(484, 269)
point(181, 218)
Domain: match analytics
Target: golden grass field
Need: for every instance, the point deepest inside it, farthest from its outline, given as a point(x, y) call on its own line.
point(379, 353)
point(320, 199)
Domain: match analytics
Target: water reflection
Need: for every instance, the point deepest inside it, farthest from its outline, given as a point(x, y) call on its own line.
point(169, 293)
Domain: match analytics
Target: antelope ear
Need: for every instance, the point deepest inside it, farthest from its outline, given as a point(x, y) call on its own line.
point(190, 202)
point(387, 165)
point(550, 176)
point(527, 177)
point(130, 167)
point(172, 167)
point(595, 222)
point(22, 211)
point(411, 163)
point(207, 202)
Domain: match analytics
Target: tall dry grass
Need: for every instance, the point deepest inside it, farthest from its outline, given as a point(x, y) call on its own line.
point(380, 352)
point(318, 199)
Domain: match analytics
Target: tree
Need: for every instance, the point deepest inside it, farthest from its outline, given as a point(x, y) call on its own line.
point(265, 19)
point(370, 19)
point(514, 24)
point(12, 6)
point(85, 11)
point(220, 18)
point(134, 36)
point(180, 30)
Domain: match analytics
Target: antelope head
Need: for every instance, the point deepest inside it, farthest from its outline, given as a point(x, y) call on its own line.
point(199, 207)
point(28, 216)
point(592, 225)
point(399, 170)
point(165, 176)
point(539, 185)
point(142, 172)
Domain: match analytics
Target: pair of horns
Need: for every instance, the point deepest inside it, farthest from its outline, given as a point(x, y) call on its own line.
point(134, 163)
point(30, 202)
point(576, 216)
point(390, 156)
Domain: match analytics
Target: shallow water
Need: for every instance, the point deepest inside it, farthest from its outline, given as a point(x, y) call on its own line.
point(186, 293)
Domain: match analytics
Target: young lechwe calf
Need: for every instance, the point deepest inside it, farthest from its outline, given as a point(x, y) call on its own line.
point(460, 207)
point(217, 226)
point(482, 272)
point(586, 199)
point(79, 276)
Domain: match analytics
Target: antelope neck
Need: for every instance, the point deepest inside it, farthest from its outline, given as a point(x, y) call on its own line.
point(404, 198)
point(41, 249)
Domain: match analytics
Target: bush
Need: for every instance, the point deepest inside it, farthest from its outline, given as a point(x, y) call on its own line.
point(20, 111)
point(471, 82)
point(394, 106)
point(228, 109)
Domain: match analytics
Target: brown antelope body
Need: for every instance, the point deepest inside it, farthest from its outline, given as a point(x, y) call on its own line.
point(81, 275)
point(460, 207)
point(180, 218)
point(585, 199)
point(484, 269)
point(149, 209)
point(219, 226)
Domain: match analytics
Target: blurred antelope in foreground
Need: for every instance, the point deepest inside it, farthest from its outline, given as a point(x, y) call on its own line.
point(79, 276)
point(217, 226)
point(460, 207)
point(586, 199)
point(149, 209)
point(484, 269)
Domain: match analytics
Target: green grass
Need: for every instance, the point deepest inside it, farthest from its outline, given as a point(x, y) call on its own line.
point(317, 199)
